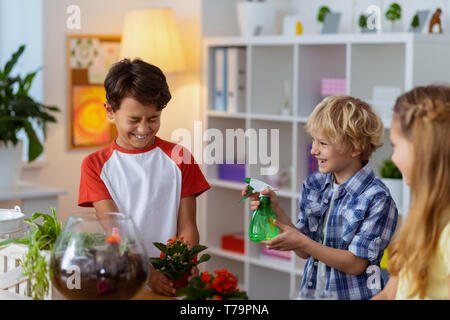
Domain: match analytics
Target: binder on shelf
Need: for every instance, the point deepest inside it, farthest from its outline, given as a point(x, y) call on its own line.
point(236, 79)
point(220, 79)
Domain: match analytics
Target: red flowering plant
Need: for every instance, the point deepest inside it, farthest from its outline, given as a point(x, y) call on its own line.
point(206, 286)
point(176, 259)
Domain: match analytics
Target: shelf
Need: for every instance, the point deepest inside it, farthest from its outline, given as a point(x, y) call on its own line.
point(290, 69)
point(227, 184)
point(317, 39)
point(240, 186)
point(226, 254)
point(272, 263)
point(271, 117)
point(221, 114)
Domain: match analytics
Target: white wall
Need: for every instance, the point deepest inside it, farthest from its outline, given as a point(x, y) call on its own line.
point(105, 17)
point(21, 23)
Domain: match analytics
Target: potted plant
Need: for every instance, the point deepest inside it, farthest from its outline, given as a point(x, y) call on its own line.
point(362, 23)
point(415, 22)
point(392, 178)
point(323, 11)
point(255, 17)
point(176, 260)
point(393, 13)
point(220, 286)
point(17, 111)
point(40, 240)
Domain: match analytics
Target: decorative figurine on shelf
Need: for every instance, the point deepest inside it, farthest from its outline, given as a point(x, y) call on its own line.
point(330, 20)
point(436, 19)
point(393, 14)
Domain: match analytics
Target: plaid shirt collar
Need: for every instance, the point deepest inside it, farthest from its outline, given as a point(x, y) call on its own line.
point(355, 185)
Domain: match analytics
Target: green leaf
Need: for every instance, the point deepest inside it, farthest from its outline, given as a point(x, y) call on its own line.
point(12, 62)
point(196, 249)
point(204, 258)
point(35, 147)
point(18, 241)
point(160, 246)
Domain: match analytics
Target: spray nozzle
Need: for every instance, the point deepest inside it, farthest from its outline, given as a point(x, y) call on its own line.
point(253, 186)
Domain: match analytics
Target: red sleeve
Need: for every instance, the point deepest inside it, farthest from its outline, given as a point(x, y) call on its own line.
point(92, 187)
point(193, 180)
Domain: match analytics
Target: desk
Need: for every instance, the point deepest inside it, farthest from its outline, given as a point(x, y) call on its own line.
point(148, 294)
point(33, 197)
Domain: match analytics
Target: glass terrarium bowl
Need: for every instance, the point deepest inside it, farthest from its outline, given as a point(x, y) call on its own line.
point(99, 258)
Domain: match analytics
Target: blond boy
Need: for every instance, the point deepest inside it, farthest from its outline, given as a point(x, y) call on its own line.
point(347, 216)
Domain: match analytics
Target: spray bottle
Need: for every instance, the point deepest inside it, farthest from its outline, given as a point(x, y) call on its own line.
point(261, 223)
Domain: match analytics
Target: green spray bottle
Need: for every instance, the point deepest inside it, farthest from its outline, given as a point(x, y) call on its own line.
point(261, 223)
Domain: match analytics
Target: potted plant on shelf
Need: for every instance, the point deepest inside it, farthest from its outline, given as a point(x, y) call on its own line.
point(176, 260)
point(415, 23)
point(362, 23)
point(323, 11)
point(392, 178)
point(18, 110)
point(221, 286)
point(393, 13)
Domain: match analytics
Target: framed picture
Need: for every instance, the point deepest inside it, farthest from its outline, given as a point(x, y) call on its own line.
point(89, 58)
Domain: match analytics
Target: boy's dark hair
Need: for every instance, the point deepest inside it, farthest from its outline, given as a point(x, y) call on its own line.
point(138, 80)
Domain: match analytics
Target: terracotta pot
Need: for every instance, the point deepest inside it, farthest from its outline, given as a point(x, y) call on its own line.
point(182, 281)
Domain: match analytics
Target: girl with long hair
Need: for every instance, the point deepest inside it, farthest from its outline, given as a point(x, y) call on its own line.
point(419, 255)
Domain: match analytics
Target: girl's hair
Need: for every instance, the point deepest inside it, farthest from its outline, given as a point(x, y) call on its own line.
point(423, 117)
point(350, 121)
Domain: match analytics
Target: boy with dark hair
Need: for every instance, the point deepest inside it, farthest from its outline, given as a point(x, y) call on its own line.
point(137, 174)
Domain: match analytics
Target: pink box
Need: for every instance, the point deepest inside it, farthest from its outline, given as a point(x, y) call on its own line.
point(276, 253)
point(333, 86)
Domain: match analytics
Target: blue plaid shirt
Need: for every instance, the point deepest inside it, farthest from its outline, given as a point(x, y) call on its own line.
point(362, 221)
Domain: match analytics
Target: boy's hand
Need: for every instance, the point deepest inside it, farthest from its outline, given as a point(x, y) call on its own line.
point(254, 199)
point(160, 284)
point(194, 272)
point(289, 238)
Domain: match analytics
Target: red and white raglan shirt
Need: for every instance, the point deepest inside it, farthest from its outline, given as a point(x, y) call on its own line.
point(146, 184)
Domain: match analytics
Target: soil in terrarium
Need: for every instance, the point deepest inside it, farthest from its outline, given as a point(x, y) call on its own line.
point(106, 273)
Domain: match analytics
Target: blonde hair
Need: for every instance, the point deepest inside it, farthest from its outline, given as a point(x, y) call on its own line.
point(423, 117)
point(348, 120)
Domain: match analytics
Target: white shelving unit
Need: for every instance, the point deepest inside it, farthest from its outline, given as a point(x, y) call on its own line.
point(404, 60)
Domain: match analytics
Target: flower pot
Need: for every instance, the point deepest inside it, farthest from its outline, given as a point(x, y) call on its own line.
point(182, 281)
point(10, 165)
point(395, 187)
point(256, 18)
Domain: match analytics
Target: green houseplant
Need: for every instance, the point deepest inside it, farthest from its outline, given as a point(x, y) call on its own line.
point(415, 22)
point(176, 259)
point(392, 178)
point(322, 13)
point(18, 109)
point(393, 13)
point(389, 170)
point(41, 238)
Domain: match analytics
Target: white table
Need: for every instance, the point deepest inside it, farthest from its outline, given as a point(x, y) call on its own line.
point(33, 197)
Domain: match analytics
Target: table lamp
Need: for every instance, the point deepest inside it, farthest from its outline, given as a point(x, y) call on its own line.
point(152, 36)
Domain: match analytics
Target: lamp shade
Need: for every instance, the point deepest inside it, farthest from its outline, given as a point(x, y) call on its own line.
point(152, 36)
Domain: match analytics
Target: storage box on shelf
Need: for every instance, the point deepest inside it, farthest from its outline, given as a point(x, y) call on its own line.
point(283, 85)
